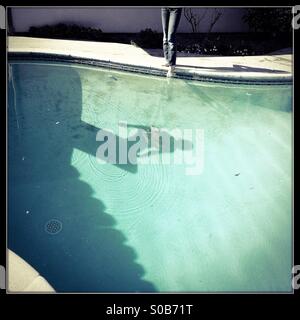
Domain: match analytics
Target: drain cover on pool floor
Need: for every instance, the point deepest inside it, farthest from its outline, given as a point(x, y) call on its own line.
point(53, 226)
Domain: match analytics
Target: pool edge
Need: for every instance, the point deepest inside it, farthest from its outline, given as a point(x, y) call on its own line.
point(27, 55)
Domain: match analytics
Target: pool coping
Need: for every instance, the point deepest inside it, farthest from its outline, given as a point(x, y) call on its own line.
point(24, 278)
point(36, 51)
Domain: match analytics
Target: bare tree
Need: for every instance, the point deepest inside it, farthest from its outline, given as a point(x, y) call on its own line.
point(215, 16)
point(193, 18)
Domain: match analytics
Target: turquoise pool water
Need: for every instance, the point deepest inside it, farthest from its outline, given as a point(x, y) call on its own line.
point(103, 227)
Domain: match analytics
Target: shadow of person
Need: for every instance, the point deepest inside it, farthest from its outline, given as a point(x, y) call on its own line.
point(158, 141)
point(234, 68)
point(85, 136)
point(89, 253)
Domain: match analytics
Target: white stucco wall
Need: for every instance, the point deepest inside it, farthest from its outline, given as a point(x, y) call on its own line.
point(120, 19)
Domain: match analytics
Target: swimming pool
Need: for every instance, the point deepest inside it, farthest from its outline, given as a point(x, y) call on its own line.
point(90, 226)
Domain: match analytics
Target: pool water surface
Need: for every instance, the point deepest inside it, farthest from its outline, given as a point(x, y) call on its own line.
point(88, 226)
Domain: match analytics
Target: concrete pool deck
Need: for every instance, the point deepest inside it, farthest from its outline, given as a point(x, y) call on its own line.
point(271, 68)
point(22, 277)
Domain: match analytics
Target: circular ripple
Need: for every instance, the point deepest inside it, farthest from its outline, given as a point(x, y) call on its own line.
point(131, 191)
point(146, 189)
point(107, 171)
point(53, 226)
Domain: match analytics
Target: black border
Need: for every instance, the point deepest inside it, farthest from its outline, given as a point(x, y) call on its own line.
point(203, 303)
point(3, 147)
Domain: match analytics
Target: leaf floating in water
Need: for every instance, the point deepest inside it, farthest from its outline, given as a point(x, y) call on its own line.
point(237, 174)
point(57, 122)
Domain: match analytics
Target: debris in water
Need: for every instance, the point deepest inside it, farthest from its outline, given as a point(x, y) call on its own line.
point(23, 158)
point(27, 212)
point(237, 174)
point(57, 122)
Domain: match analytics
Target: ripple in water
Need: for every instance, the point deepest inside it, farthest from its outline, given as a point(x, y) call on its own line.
point(107, 172)
point(133, 192)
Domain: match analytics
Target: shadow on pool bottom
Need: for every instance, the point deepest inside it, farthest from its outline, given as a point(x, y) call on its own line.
point(89, 254)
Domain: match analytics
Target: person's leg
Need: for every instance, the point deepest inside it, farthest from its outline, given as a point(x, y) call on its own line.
point(175, 15)
point(165, 14)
